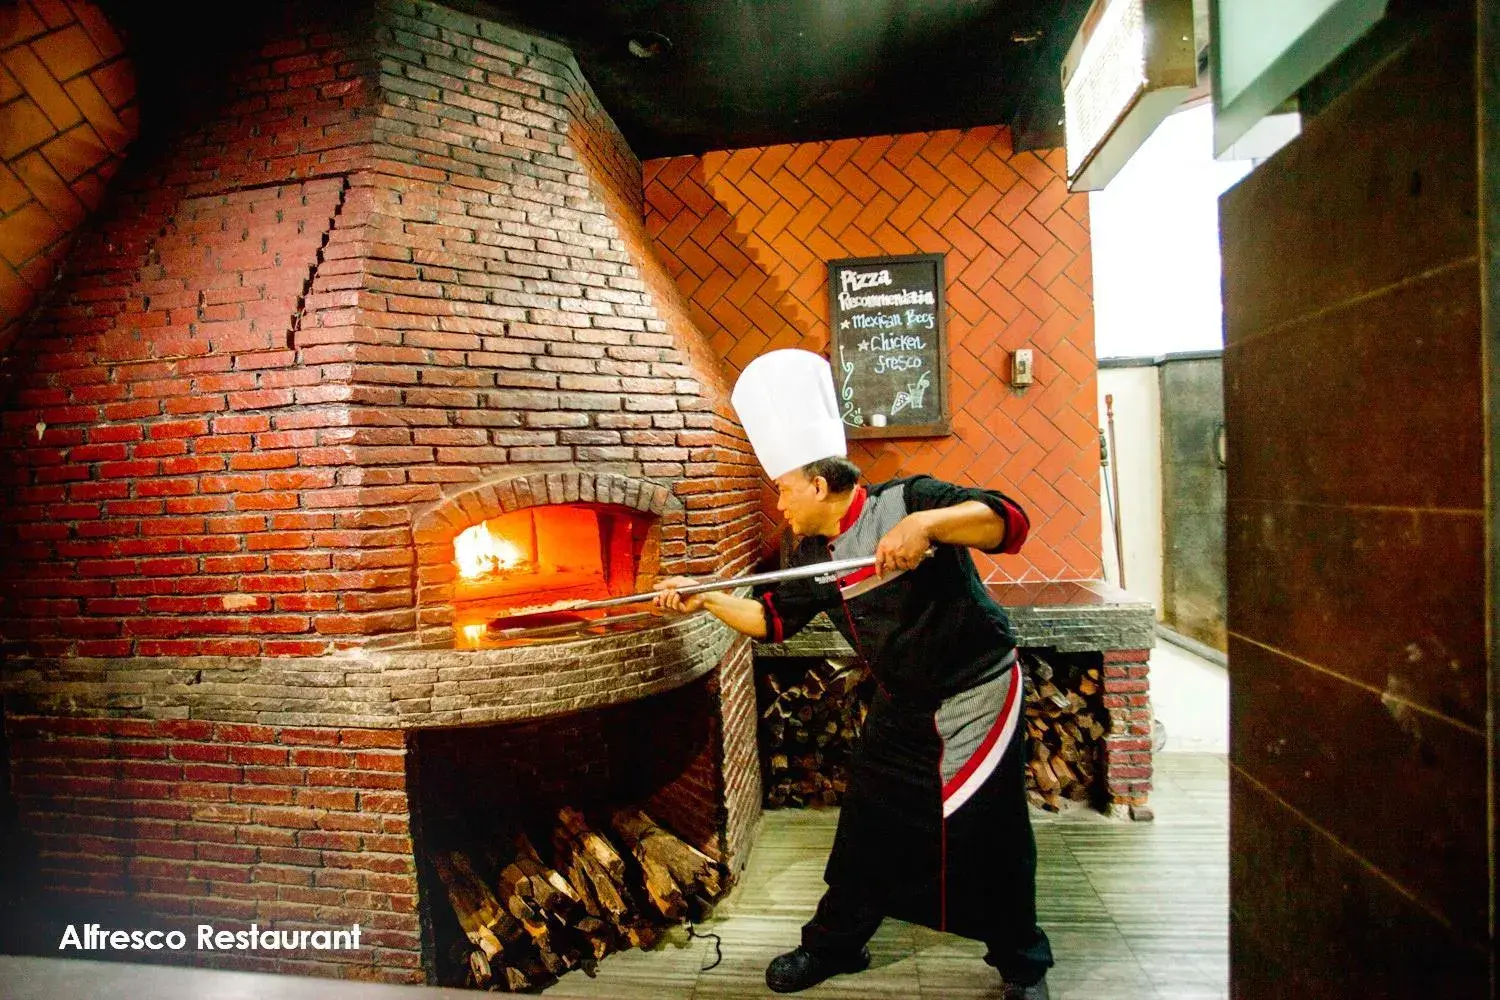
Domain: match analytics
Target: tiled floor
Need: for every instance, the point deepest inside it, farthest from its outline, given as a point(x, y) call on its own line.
point(1135, 911)
point(1190, 697)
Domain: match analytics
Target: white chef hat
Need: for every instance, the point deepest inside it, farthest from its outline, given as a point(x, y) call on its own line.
point(785, 400)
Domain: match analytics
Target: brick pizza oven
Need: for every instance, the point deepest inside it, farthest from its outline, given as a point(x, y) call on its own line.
point(366, 347)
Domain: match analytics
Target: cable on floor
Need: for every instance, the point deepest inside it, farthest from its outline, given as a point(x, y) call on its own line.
point(718, 950)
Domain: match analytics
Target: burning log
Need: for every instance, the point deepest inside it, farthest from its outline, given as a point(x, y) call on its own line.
point(1065, 725)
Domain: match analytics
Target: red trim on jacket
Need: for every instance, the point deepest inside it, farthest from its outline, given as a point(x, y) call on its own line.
point(1017, 527)
point(857, 576)
point(777, 629)
point(856, 508)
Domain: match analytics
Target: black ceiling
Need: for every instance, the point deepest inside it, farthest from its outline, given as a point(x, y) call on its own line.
point(753, 72)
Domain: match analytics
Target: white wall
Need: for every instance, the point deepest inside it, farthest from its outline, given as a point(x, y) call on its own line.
point(1155, 238)
point(1137, 448)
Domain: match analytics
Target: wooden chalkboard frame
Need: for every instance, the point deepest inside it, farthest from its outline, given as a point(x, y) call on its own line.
point(937, 428)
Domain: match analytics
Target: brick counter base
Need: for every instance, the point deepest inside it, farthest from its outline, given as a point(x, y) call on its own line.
point(1127, 748)
point(168, 824)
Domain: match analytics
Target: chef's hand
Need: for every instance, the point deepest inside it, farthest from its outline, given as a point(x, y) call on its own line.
point(668, 599)
point(904, 546)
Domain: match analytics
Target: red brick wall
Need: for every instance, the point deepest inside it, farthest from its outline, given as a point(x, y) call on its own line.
point(364, 273)
point(173, 822)
point(172, 448)
point(690, 795)
point(741, 760)
point(714, 801)
point(747, 234)
point(1127, 748)
point(723, 500)
point(506, 319)
point(67, 113)
point(367, 272)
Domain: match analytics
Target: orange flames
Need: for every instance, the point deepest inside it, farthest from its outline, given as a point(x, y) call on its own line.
point(478, 552)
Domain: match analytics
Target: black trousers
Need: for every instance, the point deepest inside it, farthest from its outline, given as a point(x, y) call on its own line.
point(846, 920)
point(892, 818)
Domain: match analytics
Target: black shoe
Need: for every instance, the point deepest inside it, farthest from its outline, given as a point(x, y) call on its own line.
point(1036, 991)
point(799, 968)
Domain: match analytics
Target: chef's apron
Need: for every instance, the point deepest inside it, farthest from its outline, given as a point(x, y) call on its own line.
point(931, 829)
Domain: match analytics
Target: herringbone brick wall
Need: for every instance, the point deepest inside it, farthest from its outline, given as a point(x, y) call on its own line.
point(67, 112)
point(747, 235)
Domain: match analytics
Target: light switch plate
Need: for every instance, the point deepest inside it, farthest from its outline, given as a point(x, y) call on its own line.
point(1020, 367)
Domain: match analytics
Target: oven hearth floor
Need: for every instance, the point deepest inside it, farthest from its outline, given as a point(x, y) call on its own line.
point(1136, 911)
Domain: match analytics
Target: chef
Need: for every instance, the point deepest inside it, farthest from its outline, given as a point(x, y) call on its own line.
point(934, 827)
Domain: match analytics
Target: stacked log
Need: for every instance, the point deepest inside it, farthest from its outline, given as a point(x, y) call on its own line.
point(485, 923)
point(1065, 720)
point(809, 727)
point(530, 922)
point(597, 870)
point(676, 874)
point(808, 732)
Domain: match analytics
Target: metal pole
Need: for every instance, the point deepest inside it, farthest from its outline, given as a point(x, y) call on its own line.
point(1114, 475)
point(833, 567)
point(836, 566)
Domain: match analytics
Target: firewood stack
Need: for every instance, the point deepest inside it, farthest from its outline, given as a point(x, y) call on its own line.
point(809, 726)
point(1065, 720)
point(527, 922)
point(808, 730)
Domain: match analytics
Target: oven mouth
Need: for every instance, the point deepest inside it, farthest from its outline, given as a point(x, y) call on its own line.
point(544, 556)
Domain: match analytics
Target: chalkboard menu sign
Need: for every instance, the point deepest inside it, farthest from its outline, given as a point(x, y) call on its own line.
point(888, 345)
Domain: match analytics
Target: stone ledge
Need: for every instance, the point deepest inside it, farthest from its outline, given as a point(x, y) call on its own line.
point(391, 689)
point(1070, 617)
